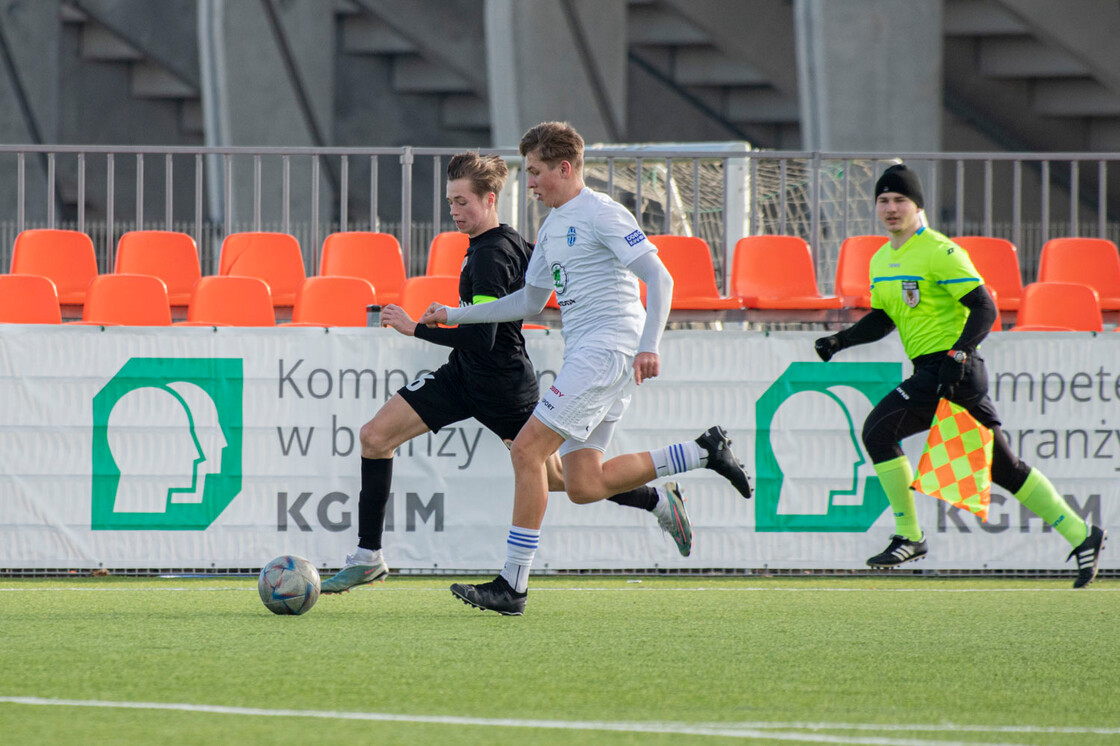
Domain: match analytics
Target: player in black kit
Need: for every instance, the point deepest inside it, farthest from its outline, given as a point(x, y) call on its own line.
point(488, 374)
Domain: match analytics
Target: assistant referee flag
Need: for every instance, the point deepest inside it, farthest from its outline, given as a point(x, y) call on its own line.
point(956, 463)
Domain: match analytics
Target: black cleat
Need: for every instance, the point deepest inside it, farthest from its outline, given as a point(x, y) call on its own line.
point(722, 461)
point(900, 551)
point(497, 595)
point(1088, 555)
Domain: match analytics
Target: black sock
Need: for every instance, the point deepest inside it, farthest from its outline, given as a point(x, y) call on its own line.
point(377, 474)
point(644, 498)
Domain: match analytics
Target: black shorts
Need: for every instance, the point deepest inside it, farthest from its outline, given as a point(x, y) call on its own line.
point(440, 399)
point(910, 407)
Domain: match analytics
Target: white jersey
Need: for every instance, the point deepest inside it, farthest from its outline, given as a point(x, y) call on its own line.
point(583, 249)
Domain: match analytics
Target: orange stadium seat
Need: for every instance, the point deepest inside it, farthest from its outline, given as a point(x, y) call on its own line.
point(126, 300)
point(1059, 306)
point(447, 252)
point(273, 257)
point(417, 293)
point(66, 257)
point(230, 301)
point(997, 325)
point(372, 256)
point(1090, 261)
point(853, 277)
point(332, 301)
point(169, 255)
point(689, 261)
point(777, 272)
point(28, 299)
point(997, 261)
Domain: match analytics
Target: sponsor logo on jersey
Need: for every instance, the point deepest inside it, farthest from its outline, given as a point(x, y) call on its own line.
point(555, 390)
point(559, 278)
point(636, 237)
point(571, 235)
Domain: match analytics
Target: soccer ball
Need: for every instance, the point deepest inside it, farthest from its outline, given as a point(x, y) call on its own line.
point(289, 585)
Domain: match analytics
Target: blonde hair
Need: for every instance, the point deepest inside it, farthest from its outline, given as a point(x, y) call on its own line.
point(487, 173)
point(554, 142)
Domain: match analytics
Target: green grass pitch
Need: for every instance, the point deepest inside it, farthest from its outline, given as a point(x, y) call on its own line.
point(889, 661)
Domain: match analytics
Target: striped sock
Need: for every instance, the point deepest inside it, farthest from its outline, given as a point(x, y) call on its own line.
point(520, 548)
point(677, 458)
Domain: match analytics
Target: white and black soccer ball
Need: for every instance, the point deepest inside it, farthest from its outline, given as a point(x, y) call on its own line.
point(289, 585)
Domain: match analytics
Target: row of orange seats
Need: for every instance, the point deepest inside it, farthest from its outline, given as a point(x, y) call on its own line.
point(777, 272)
point(1087, 261)
point(768, 272)
point(156, 270)
point(1078, 279)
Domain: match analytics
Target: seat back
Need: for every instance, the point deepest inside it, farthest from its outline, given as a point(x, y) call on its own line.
point(169, 255)
point(689, 261)
point(1062, 305)
point(66, 257)
point(231, 301)
point(776, 272)
point(853, 274)
point(28, 299)
point(447, 252)
point(997, 261)
point(333, 301)
point(273, 257)
point(372, 256)
point(417, 293)
point(128, 300)
point(1090, 261)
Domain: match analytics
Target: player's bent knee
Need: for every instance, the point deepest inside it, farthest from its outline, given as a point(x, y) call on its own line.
point(376, 442)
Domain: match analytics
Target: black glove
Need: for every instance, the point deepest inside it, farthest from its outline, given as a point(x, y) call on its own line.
point(951, 373)
point(827, 347)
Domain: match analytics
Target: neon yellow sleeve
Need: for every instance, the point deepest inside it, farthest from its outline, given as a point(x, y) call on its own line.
point(478, 299)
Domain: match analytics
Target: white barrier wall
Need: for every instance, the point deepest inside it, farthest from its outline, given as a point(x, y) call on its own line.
point(202, 448)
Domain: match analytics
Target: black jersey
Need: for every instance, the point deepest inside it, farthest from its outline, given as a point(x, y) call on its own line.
point(500, 375)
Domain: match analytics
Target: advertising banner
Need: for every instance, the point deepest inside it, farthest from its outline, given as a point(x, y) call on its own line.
point(203, 449)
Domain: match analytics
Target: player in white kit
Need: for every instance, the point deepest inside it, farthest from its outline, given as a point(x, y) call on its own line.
point(592, 253)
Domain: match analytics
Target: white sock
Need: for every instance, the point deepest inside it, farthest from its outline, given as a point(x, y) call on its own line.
point(662, 508)
point(521, 546)
point(677, 458)
point(363, 556)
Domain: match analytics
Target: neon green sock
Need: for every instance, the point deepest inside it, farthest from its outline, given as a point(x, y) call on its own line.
point(1039, 496)
point(895, 476)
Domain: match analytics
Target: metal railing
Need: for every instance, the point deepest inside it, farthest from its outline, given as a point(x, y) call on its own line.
point(718, 193)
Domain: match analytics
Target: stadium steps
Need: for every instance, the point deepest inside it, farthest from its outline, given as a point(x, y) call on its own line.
point(162, 64)
point(425, 56)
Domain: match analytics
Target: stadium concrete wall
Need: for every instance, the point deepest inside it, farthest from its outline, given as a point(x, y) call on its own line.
point(212, 449)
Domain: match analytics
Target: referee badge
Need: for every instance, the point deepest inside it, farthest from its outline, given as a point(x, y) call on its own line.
point(910, 293)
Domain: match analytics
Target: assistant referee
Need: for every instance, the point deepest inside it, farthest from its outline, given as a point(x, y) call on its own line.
point(926, 286)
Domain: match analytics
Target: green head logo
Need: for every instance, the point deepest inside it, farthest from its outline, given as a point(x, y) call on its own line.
point(167, 444)
point(808, 455)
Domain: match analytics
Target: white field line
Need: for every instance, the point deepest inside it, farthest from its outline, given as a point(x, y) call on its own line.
point(631, 589)
point(757, 730)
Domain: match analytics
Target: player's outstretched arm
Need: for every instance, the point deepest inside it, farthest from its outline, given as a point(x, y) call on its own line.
point(395, 317)
point(521, 304)
point(871, 328)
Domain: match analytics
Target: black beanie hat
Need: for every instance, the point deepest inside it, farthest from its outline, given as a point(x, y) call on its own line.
point(900, 179)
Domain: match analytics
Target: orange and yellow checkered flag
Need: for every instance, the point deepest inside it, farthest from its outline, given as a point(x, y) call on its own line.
point(956, 463)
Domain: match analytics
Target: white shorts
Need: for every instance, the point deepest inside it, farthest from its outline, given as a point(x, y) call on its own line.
point(589, 395)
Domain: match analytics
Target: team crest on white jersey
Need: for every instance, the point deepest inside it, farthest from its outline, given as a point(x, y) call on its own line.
point(571, 235)
point(559, 277)
point(910, 293)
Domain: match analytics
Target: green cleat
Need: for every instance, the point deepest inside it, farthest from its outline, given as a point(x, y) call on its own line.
point(353, 575)
point(674, 520)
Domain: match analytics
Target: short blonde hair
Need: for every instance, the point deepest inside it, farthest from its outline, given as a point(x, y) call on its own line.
point(554, 142)
point(487, 173)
